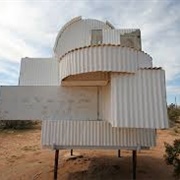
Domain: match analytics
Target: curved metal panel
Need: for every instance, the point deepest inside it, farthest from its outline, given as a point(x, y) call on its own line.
point(74, 20)
point(107, 58)
point(77, 35)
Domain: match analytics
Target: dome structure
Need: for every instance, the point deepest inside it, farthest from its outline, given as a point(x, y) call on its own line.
point(77, 33)
point(86, 48)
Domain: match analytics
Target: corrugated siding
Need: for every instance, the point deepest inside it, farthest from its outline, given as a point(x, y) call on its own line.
point(48, 103)
point(112, 36)
point(125, 37)
point(101, 58)
point(105, 102)
point(77, 35)
point(80, 134)
point(137, 101)
point(39, 72)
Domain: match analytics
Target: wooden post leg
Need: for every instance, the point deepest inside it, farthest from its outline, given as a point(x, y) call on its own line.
point(134, 159)
point(56, 158)
point(71, 152)
point(119, 153)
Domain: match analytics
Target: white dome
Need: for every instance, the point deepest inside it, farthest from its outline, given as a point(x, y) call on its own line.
point(76, 33)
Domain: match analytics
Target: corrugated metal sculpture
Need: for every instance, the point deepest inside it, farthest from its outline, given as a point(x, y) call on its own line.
point(99, 90)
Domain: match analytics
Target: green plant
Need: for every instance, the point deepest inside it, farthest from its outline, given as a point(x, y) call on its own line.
point(172, 156)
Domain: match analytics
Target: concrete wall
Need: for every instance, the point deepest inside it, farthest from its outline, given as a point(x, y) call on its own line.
point(48, 103)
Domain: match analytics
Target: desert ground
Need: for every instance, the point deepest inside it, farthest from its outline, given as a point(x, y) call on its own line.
point(22, 158)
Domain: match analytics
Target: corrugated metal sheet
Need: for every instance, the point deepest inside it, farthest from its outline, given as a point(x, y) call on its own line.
point(39, 72)
point(101, 58)
point(48, 103)
point(105, 102)
point(112, 36)
point(78, 34)
point(94, 134)
point(136, 101)
point(125, 37)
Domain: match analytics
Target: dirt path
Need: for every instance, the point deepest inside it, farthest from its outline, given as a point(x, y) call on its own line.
point(21, 158)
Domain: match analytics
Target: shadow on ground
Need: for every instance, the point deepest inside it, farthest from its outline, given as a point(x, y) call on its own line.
point(114, 168)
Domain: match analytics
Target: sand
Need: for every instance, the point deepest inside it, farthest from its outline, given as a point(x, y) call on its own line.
point(22, 158)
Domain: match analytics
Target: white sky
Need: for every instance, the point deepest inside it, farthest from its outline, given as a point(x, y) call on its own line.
point(29, 29)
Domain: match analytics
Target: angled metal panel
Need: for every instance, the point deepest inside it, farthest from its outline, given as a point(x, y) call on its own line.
point(137, 101)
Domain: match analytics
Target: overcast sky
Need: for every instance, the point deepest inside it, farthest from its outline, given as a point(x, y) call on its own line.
point(29, 29)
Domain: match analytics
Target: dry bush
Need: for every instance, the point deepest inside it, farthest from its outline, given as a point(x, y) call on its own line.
point(172, 156)
point(17, 124)
point(173, 113)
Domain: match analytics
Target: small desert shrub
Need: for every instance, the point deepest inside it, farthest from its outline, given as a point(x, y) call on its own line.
point(17, 124)
point(173, 112)
point(172, 156)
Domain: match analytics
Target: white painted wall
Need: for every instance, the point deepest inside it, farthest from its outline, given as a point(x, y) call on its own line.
point(39, 72)
point(48, 103)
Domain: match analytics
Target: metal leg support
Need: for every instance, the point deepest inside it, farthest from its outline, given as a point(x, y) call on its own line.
point(119, 153)
point(134, 159)
point(71, 152)
point(56, 158)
